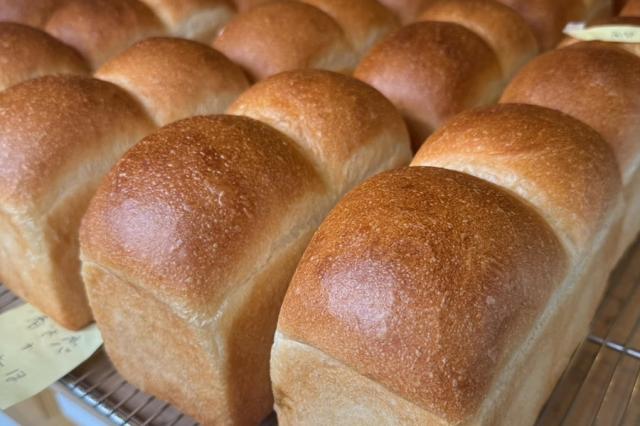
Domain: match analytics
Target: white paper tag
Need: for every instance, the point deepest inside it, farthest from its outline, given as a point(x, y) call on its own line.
point(610, 33)
point(35, 352)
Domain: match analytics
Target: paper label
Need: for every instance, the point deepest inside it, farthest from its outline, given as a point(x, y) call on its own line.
point(35, 352)
point(611, 33)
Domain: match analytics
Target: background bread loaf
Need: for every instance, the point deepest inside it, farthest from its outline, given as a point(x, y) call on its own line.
point(26, 53)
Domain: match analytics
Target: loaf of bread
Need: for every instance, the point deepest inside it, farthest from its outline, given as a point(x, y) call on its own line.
point(58, 137)
point(432, 71)
point(176, 78)
point(283, 36)
point(193, 19)
point(364, 22)
point(432, 296)
point(202, 223)
point(498, 25)
point(564, 80)
point(100, 29)
point(26, 53)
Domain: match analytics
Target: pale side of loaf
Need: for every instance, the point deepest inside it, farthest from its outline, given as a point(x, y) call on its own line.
point(176, 78)
point(616, 20)
point(29, 12)
point(611, 105)
point(365, 22)
point(432, 71)
point(100, 29)
point(27, 53)
point(401, 286)
point(331, 116)
point(193, 19)
point(500, 26)
point(206, 219)
point(261, 41)
point(59, 136)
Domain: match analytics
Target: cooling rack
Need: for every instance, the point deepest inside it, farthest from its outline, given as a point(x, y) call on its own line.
point(601, 385)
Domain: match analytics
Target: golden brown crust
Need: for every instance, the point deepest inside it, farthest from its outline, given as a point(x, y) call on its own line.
point(407, 10)
point(29, 12)
point(49, 124)
point(190, 212)
point(193, 19)
point(347, 129)
point(244, 5)
point(261, 40)
point(547, 18)
point(432, 71)
point(364, 22)
point(631, 8)
point(607, 80)
point(175, 78)
point(419, 279)
point(555, 162)
point(500, 26)
point(27, 53)
point(100, 29)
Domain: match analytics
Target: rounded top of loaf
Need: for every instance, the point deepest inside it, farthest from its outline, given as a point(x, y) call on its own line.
point(100, 29)
point(555, 162)
point(500, 26)
point(547, 18)
point(176, 78)
point(425, 280)
point(407, 10)
point(193, 19)
point(599, 85)
point(284, 36)
point(26, 52)
point(432, 71)
point(631, 8)
point(195, 209)
point(29, 12)
point(347, 129)
point(50, 126)
point(364, 22)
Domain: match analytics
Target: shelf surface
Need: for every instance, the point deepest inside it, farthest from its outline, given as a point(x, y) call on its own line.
point(601, 385)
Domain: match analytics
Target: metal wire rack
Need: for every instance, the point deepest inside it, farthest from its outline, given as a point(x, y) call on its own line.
point(601, 385)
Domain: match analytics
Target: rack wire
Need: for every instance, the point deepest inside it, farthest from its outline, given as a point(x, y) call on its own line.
point(601, 385)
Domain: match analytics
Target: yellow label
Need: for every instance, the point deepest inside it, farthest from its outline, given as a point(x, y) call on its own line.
point(35, 352)
point(611, 33)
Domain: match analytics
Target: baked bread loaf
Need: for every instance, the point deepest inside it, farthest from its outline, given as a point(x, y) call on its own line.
point(257, 41)
point(432, 71)
point(176, 78)
point(100, 29)
point(32, 12)
point(498, 25)
point(26, 53)
point(365, 22)
point(612, 107)
point(202, 223)
point(427, 294)
point(193, 19)
point(58, 137)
